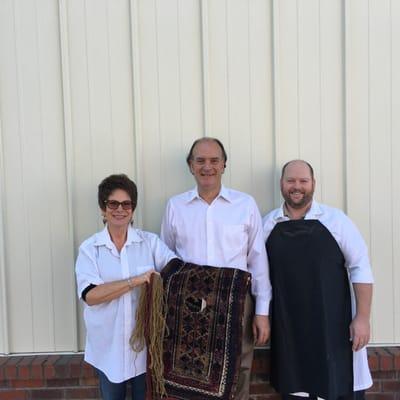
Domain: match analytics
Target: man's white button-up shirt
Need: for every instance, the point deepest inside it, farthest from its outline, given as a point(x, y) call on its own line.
point(225, 233)
point(109, 325)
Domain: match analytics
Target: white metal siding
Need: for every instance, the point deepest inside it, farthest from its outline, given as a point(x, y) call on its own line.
point(93, 87)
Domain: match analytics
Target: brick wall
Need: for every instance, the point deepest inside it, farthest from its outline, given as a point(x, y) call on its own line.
point(69, 377)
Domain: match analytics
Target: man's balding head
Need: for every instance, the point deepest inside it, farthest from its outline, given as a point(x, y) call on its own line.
point(297, 162)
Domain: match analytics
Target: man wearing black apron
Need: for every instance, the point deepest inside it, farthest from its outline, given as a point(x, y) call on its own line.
point(322, 288)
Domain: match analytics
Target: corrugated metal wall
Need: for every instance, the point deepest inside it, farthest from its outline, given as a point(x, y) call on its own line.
point(91, 87)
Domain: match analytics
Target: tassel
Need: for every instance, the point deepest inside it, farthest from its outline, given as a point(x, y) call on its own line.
point(149, 331)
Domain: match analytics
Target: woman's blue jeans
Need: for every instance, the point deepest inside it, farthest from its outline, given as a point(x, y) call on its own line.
point(117, 391)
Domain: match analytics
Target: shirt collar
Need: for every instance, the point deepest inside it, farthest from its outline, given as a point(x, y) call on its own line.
point(224, 193)
point(103, 237)
point(314, 212)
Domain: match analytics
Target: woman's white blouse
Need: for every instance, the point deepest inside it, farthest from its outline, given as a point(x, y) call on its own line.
point(109, 325)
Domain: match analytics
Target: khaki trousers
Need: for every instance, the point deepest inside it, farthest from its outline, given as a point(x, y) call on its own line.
point(243, 386)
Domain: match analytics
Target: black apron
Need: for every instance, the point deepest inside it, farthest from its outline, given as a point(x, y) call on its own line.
point(311, 311)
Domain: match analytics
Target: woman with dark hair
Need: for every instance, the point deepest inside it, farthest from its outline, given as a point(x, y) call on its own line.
point(111, 266)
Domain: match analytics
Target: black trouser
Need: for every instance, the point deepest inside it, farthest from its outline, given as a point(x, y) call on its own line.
point(358, 395)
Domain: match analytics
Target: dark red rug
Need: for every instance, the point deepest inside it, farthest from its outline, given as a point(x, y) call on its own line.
point(204, 317)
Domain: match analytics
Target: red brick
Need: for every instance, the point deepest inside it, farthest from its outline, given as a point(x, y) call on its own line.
point(261, 388)
point(37, 367)
point(373, 360)
point(11, 367)
point(385, 359)
point(383, 375)
point(391, 386)
point(379, 396)
point(49, 370)
point(62, 366)
point(42, 394)
point(4, 384)
point(14, 395)
point(27, 383)
point(3, 360)
point(272, 396)
point(23, 367)
point(87, 370)
point(91, 381)
point(260, 364)
point(76, 366)
point(62, 382)
point(396, 354)
point(82, 393)
point(375, 388)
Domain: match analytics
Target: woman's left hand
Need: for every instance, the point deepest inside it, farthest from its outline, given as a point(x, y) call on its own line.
point(112, 290)
point(143, 278)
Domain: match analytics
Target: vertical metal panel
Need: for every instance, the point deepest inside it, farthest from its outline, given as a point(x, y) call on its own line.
point(84, 183)
point(286, 75)
point(146, 53)
point(68, 134)
point(171, 98)
point(370, 153)
point(219, 104)
point(59, 243)
point(34, 163)
point(357, 118)
point(240, 91)
point(4, 346)
point(191, 86)
point(38, 255)
point(332, 103)
point(261, 122)
point(309, 81)
point(14, 223)
point(277, 96)
point(102, 106)
point(357, 115)
point(380, 164)
point(308, 97)
point(99, 87)
point(137, 108)
point(169, 93)
point(395, 157)
point(102, 127)
point(238, 81)
point(120, 86)
point(205, 40)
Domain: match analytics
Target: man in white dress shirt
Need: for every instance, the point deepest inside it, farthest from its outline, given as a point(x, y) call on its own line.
point(322, 289)
point(214, 225)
